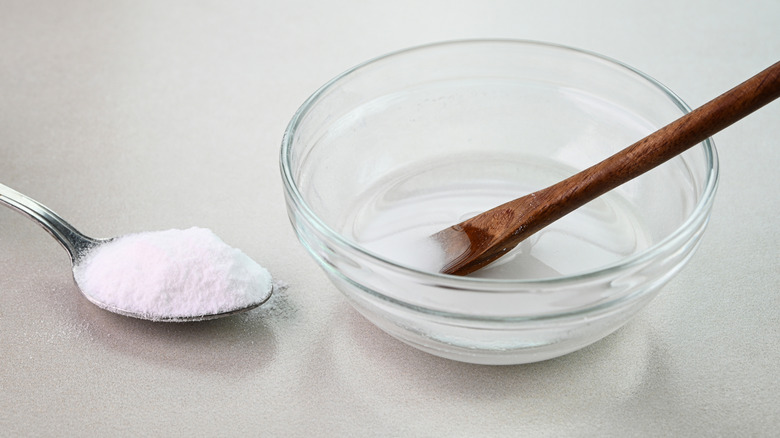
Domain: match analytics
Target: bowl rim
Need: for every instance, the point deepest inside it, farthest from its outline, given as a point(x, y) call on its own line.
point(699, 213)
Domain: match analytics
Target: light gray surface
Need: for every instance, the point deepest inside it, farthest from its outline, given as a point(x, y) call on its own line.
point(143, 115)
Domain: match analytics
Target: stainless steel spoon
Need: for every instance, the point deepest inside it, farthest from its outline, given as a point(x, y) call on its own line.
point(78, 245)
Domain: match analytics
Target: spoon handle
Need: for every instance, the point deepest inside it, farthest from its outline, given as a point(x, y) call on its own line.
point(485, 237)
point(74, 242)
point(667, 142)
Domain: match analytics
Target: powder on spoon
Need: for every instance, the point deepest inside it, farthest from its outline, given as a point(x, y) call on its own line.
point(173, 273)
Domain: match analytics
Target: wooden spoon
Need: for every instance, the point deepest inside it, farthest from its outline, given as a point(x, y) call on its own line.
point(478, 241)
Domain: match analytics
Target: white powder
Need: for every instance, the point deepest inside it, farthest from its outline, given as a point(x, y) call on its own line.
point(173, 273)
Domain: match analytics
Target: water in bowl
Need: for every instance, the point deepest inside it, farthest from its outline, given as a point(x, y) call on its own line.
point(395, 218)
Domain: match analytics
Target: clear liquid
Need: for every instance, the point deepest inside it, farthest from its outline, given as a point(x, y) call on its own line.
point(396, 223)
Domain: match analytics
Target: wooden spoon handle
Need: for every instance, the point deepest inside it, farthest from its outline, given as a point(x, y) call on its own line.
point(550, 204)
point(669, 141)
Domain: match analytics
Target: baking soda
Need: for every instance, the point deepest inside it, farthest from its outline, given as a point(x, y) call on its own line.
point(173, 273)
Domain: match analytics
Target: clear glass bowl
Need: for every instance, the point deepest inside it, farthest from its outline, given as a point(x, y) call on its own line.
point(420, 138)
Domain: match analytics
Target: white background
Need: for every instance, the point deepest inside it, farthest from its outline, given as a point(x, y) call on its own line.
point(137, 115)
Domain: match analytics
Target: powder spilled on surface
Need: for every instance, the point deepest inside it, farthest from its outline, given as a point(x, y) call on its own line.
point(173, 273)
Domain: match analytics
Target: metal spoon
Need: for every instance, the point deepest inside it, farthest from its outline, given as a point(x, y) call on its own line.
point(478, 241)
point(78, 245)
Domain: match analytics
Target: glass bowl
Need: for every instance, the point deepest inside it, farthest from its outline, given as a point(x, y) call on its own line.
point(409, 143)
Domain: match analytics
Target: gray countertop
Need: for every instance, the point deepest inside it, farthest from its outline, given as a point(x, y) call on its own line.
point(126, 116)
